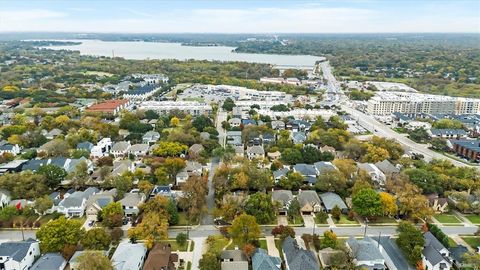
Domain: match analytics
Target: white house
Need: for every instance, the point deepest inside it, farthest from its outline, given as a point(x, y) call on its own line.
point(18, 255)
point(139, 149)
point(151, 137)
point(120, 148)
point(378, 177)
point(75, 204)
point(5, 198)
point(6, 147)
point(255, 151)
point(102, 148)
point(131, 202)
point(435, 256)
point(129, 256)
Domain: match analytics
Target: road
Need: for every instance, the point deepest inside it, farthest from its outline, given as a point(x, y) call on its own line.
point(207, 218)
point(222, 135)
point(382, 130)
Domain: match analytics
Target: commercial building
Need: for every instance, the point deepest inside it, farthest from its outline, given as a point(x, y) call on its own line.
point(142, 92)
point(386, 103)
point(110, 106)
point(165, 107)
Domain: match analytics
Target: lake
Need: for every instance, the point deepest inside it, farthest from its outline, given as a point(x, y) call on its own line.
point(158, 50)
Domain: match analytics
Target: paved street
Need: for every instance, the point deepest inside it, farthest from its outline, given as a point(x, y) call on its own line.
point(207, 218)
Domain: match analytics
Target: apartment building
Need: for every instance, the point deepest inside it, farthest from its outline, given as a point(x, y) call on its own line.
point(189, 107)
point(386, 103)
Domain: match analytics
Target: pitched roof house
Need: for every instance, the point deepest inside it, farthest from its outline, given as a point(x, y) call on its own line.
point(139, 149)
point(297, 258)
point(129, 256)
point(435, 255)
point(18, 255)
point(74, 205)
point(283, 197)
point(161, 258)
point(366, 253)
point(131, 201)
point(330, 200)
point(309, 202)
point(393, 255)
point(255, 151)
point(262, 261)
point(97, 202)
point(50, 261)
point(151, 137)
point(120, 148)
point(378, 177)
point(233, 260)
point(5, 198)
point(195, 150)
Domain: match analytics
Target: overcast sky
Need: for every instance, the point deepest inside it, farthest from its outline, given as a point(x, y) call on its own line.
point(355, 16)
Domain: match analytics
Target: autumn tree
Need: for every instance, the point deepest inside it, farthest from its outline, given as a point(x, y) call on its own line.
point(173, 166)
point(153, 226)
point(411, 241)
point(331, 180)
point(93, 260)
point(293, 181)
point(367, 203)
point(261, 207)
point(96, 239)
point(112, 214)
point(193, 199)
point(389, 204)
point(244, 229)
point(209, 261)
point(43, 204)
point(329, 240)
point(58, 233)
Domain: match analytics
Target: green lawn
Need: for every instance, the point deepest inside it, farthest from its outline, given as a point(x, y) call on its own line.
point(182, 220)
point(474, 242)
point(447, 218)
point(344, 220)
point(175, 246)
point(189, 265)
point(217, 243)
point(192, 246)
point(451, 242)
point(475, 219)
point(263, 243)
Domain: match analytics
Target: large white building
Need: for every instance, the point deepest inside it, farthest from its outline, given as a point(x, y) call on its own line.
point(165, 107)
point(386, 103)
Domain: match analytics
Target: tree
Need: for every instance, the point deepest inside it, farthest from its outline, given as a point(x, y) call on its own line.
point(261, 207)
point(25, 185)
point(419, 135)
point(93, 260)
point(54, 175)
point(447, 124)
point(283, 231)
point(112, 214)
point(145, 187)
point(375, 154)
point(331, 180)
point(336, 212)
point(346, 166)
point(122, 183)
point(342, 260)
point(389, 204)
point(293, 211)
point(173, 166)
point(329, 240)
point(170, 149)
point(42, 204)
point(321, 217)
point(228, 104)
point(201, 122)
point(410, 240)
point(439, 144)
point(291, 156)
point(58, 233)
point(367, 203)
point(8, 212)
point(194, 197)
point(181, 239)
point(293, 181)
point(79, 176)
point(209, 261)
point(473, 259)
point(96, 239)
point(244, 229)
point(311, 154)
point(153, 226)
point(427, 180)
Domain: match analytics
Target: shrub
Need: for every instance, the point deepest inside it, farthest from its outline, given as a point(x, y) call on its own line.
point(181, 239)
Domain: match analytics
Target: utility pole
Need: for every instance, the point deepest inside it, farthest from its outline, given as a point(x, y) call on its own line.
point(366, 225)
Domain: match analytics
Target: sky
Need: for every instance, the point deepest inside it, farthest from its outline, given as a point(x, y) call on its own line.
point(355, 16)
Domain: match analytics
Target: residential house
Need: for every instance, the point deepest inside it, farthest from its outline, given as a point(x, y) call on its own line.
point(457, 254)
point(309, 202)
point(97, 202)
point(239, 150)
point(325, 255)
point(162, 191)
point(120, 149)
point(393, 255)
point(235, 122)
point(448, 133)
point(181, 177)
point(129, 256)
point(277, 125)
point(52, 134)
point(161, 258)
point(435, 256)
point(268, 138)
point(85, 146)
point(237, 112)
point(327, 149)
point(439, 205)
point(297, 258)
point(246, 122)
point(122, 166)
point(74, 205)
point(308, 171)
point(378, 177)
point(469, 149)
point(102, 148)
point(255, 151)
point(330, 200)
point(387, 168)
point(131, 202)
point(233, 260)
point(9, 148)
point(151, 137)
point(50, 261)
point(278, 174)
point(5, 198)
point(109, 107)
point(18, 255)
point(262, 261)
point(298, 125)
point(139, 149)
point(274, 155)
point(299, 137)
point(195, 150)
point(283, 198)
point(324, 166)
point(12, 166)
point(366, 253)
point(234, 138)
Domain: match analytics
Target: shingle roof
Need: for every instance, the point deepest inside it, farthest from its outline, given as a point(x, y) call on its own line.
point(324, 166)
point(394, 253)
point(298, 258)
point(262, 261)
point(447, 131)
point(331, 199)
point(283, 196)
point(308, 196)
point(120, 147)
point(386, 167)
point(234, 255)
point(15, 250)
point(305, 169)
point(49, 261)
point(128, 256)
point(364, 250)
point(280, 172)
point(432, 255)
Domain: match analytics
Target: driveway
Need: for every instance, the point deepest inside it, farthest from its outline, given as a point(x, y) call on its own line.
point(197, 251)
point(282, 220)
point(272, 249)
point(85, 225)
point(308, 220)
